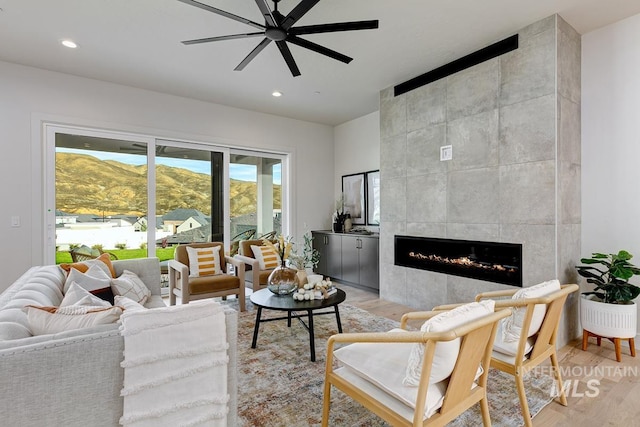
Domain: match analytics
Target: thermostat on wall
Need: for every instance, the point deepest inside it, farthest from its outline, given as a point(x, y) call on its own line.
point(446, 152)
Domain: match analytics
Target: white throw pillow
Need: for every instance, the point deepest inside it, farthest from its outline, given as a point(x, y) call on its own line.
point(509, 348)
point(266, 256)
point(131, 286)
point(52, 320)
point(128, 304)
point(77, 295)
point(383, 364)
point(512, 325)
point(204, 261)
point(446, 354)
point(95, 280)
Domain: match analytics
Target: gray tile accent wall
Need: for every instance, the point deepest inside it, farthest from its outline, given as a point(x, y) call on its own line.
point(514, 124)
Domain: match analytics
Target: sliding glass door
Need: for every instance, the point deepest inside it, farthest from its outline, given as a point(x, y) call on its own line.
point(256, 196)
point(101, 197)
point(108, 198)
point(136, 196)
point(189, 194)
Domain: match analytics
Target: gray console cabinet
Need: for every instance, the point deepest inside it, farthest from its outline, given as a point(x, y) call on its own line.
point(329, 246)
point(349, 258)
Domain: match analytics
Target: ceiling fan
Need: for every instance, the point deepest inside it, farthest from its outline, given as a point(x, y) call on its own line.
point(280, 29)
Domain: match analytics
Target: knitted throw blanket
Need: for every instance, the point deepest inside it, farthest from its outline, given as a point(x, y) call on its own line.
point(175, 366)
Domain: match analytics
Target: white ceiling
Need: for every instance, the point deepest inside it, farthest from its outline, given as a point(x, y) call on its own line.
point(137, 43)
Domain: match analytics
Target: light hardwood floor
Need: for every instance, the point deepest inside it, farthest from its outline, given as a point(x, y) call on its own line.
point(602, 392)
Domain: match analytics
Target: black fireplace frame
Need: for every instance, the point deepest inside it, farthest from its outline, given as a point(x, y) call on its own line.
point(486, 253)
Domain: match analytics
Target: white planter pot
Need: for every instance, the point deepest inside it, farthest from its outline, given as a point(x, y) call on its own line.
point(608, 320)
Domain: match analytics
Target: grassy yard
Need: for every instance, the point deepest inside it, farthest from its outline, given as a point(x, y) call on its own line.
point(161, 253)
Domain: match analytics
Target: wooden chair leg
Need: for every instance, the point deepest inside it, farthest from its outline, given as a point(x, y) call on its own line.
point(616, 344)
point(526, 415)
point(632, 346)
point(599, 341)
point(556, 371)
point(484, 408)
point(242, 302)
point(326, 403)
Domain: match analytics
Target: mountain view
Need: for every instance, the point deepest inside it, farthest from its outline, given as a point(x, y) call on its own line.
point(88, 185)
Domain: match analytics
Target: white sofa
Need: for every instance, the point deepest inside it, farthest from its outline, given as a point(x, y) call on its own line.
point(73, 378)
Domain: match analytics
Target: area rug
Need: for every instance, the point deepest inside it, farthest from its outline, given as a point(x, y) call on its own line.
point(279, 386)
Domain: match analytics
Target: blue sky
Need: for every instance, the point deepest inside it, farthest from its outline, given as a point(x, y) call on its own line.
point(236, 171)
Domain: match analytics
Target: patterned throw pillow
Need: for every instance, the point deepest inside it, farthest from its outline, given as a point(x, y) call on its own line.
point(102, 261)
point(204, 261)
point(130, 286)
point(95, 280)
point(77, 295)
point(266, 256)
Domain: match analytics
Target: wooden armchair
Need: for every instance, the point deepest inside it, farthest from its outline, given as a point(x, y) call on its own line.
point(436, 400)
point(258, 276)
point(186, 285)
point(539, 317)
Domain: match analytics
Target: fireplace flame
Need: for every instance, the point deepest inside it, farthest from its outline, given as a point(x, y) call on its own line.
point(463, 262)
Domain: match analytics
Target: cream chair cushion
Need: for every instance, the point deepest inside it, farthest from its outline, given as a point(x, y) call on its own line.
point(446, 354)
point(510, 348)
point(512, 325)
point(204, 261)
point(383, 365)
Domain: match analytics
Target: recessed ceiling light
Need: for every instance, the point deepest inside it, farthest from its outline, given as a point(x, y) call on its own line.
point(69, 43)
point(276, 93)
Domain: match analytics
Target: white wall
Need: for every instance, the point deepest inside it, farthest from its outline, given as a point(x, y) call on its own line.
point(28, 96)
point(611, 139)
point(356, 149)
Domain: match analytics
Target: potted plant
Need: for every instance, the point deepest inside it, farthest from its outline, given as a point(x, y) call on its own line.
point(339, 216)
point(609, 310)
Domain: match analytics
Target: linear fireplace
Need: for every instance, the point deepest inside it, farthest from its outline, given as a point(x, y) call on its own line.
point(490, 261)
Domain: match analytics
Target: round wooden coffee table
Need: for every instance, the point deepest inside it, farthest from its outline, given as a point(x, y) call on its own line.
point(266, 299)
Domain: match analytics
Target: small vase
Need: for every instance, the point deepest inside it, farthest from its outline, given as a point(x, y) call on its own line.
point(337, 227)
point(282, 280)
point(301, 277)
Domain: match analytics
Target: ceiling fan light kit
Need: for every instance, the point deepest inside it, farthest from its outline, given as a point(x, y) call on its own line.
point(280, 29)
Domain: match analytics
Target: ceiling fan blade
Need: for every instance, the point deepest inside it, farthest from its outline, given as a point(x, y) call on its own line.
point(319, 49)
point(338, 26)
point(223, 13)
point(288, 58)
point(253, 54)
point(219, 38)
point(266, 13)
point(298, 12)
